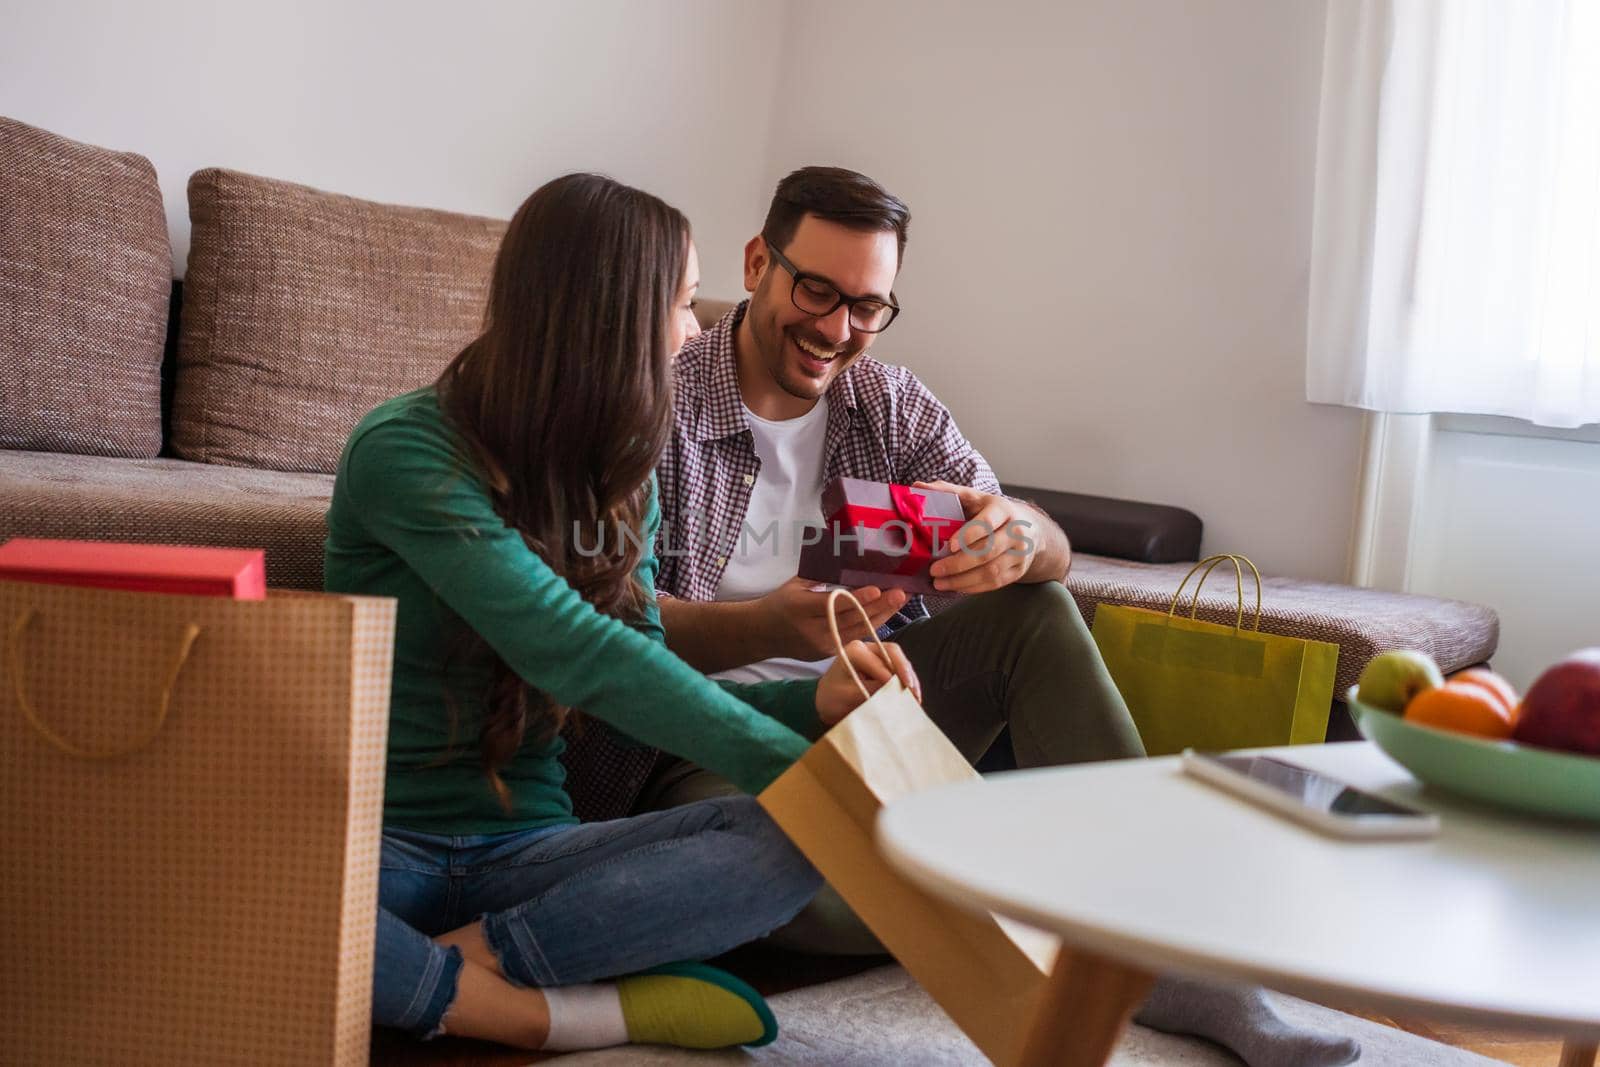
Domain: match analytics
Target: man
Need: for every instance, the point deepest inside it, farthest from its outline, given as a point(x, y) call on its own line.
point(780, 396)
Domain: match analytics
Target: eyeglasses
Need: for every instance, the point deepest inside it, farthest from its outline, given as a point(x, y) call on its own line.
point(818, 296)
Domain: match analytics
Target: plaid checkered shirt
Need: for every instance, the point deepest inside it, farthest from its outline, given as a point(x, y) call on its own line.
point(883, 425)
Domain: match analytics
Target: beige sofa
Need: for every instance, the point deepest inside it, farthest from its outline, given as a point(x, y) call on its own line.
point(301, 310)
point(214, 413)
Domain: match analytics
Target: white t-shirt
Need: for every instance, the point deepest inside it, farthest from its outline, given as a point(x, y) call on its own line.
point(786, 498)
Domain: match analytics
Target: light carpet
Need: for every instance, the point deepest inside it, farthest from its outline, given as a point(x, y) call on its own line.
point(881, 1018)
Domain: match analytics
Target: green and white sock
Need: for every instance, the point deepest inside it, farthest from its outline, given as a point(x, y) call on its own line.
point(689, 1005)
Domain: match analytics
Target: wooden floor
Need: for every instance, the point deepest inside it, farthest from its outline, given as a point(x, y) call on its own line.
point(771, 977)
point(1518, 1048)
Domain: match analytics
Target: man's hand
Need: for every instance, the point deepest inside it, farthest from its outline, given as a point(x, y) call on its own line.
point(1003, 541)
point(837, 693)
point(797, 618)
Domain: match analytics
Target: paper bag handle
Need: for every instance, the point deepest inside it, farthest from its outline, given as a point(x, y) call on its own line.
point(1210, 563)
point(14, 663)
point(838, 642)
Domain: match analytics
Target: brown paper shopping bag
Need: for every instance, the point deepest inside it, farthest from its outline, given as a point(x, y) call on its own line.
point(1190, 683)
point(987, 974)
point(191, 799)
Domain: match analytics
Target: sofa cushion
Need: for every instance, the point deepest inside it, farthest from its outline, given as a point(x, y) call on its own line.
point(85, 272)
point(303, 310)
point(708, 311)
point(170, 501)
point(1362, 622)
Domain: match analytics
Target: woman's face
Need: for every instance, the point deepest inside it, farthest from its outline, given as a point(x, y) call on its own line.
point(683, 324)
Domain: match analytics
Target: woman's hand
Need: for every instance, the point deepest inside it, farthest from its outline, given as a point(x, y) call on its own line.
point(837, 694)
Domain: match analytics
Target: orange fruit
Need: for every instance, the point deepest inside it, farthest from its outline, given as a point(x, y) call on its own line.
point(1493, 684)
point(1464, 707)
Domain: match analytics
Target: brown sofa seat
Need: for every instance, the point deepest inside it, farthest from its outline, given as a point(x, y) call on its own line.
point(49, 494)
point(1362, 622)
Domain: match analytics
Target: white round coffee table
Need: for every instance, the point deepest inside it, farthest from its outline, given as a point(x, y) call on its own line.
point(1141, 869)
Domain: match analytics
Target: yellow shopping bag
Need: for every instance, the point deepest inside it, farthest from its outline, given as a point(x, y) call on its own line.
point(1198, 684)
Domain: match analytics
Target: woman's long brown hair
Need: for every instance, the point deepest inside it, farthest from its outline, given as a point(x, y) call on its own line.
point(564, 403)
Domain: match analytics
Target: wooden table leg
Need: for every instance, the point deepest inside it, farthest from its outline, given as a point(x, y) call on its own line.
point(1578, 1054)
point(1086, 1003)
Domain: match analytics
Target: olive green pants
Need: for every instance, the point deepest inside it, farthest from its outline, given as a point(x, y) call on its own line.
point(1019, 657)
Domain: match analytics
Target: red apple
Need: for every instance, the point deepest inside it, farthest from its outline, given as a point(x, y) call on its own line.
point(1562, 710)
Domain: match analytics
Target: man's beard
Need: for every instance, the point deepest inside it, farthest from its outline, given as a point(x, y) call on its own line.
point(799, 392)
point(792, 380)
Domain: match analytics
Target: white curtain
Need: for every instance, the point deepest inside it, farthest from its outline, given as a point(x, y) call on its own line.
point(1456, 236)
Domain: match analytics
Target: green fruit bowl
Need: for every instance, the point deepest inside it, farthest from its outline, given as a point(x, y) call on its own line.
point(1535, 780)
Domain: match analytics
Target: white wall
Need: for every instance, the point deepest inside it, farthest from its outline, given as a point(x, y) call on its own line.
point(1513, 520)
point(1107, 273)
point(467, 106)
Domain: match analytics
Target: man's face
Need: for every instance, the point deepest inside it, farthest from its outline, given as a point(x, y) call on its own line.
point(804, 353)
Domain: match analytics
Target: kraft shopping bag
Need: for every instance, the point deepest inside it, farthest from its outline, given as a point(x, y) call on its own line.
point(191, 794)
point(1190, 683)
point(986, 973)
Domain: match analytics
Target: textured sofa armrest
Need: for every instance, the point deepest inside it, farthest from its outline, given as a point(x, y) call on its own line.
point(1125, 529)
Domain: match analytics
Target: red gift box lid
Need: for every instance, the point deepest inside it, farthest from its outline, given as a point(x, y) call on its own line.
point(239, 573)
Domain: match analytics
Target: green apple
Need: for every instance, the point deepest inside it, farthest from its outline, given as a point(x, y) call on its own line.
point(1393, 678)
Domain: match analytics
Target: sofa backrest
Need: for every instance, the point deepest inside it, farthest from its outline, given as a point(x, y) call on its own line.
point(85, 267)
point(302, 310)
point(708, 310)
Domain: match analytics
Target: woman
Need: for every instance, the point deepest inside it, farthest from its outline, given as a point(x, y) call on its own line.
point(510, 509)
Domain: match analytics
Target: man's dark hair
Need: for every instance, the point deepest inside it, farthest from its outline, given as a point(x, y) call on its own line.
point(838, 195)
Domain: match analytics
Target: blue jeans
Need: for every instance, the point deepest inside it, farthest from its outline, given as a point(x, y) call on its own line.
point(571, 904)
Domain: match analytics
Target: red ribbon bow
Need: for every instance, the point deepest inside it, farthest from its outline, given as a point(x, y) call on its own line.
point(908, 508)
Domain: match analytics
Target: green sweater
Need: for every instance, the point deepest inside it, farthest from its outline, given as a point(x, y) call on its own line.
point(410, 519)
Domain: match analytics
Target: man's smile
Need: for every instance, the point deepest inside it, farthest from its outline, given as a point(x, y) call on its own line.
point(814, 358)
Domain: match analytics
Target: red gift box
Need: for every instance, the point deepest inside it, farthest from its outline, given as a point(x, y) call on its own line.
point(881, 535)
point(239, 573)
